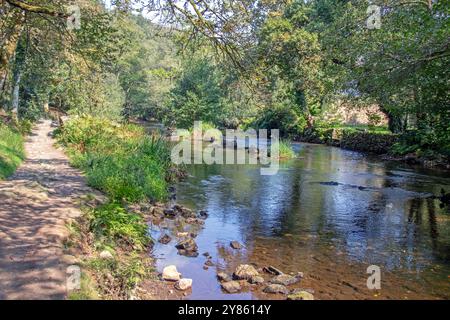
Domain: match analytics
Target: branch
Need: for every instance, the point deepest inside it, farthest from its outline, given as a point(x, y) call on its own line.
point(36, 9)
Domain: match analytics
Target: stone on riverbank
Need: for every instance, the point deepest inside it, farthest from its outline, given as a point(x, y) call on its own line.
point(276, 288)
point(231, 286)
point(170, 273)
point(256, 280)
point(183, 284)
point(301, 295)
point(284, 279)
point(272, 270)
point(245, 272)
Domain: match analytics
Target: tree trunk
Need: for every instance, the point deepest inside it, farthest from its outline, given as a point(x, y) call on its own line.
point(9, 45)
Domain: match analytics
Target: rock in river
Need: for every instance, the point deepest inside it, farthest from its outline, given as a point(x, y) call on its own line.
point(235, 245)
point(284, 279)
point(231, 286)
point(170, 273)
point(245, 272)
point(183, 284)
point(187, 244)
point(165, 239)
point(276, 288)
point(209, 263)
point(222, 276)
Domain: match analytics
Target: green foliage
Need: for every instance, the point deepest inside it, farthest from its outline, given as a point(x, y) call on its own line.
point(11, 150)
point(283, 118)
point(196, 95)
point(285, 150)
point(112, 222)
point(120, 160)
point(125, 273)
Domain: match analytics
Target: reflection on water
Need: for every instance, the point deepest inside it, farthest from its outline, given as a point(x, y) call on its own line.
point(329, 213)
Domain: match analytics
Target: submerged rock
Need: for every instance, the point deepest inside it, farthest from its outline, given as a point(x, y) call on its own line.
point(165, 239)
point(276, 288)
point(203, 214)
point(170, 273)
point(187, 253)
point(222, 276)
point(231, 286)
point(284, 279)
point(209, 263)
point(183, 284)
point(245, 272)
point(301, 295)
point(235, 245)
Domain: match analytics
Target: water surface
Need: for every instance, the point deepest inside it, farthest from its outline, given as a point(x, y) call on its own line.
point(329, 213)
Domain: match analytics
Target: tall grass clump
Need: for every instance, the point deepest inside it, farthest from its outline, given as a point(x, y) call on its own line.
point(11, 150)
point(285, 150)
point(119, 159)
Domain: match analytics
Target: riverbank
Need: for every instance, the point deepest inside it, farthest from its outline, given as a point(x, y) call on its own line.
point(110, 237)
point(386, 145)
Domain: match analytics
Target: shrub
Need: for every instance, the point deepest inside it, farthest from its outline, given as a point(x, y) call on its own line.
point(115, 225)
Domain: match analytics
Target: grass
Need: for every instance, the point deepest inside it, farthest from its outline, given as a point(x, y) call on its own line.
point(120, 160)
point(285, 150)
point(115, 226)
point(11, 150)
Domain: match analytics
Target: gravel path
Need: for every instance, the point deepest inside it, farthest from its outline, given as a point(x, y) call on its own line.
point(35, 204)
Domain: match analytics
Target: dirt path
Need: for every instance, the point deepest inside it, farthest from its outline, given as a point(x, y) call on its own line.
point(35, 204)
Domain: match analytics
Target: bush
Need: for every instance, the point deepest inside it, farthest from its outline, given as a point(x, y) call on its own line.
point(11, 150)
point(117, 226)
point(120, 160)
point(283, 118)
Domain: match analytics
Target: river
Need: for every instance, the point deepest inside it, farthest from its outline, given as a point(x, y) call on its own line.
point(329, 213)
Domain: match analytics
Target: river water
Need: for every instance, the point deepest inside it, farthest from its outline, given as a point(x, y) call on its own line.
point(329, 213)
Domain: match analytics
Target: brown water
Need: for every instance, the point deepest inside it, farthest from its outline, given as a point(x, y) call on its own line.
point(330, 213)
